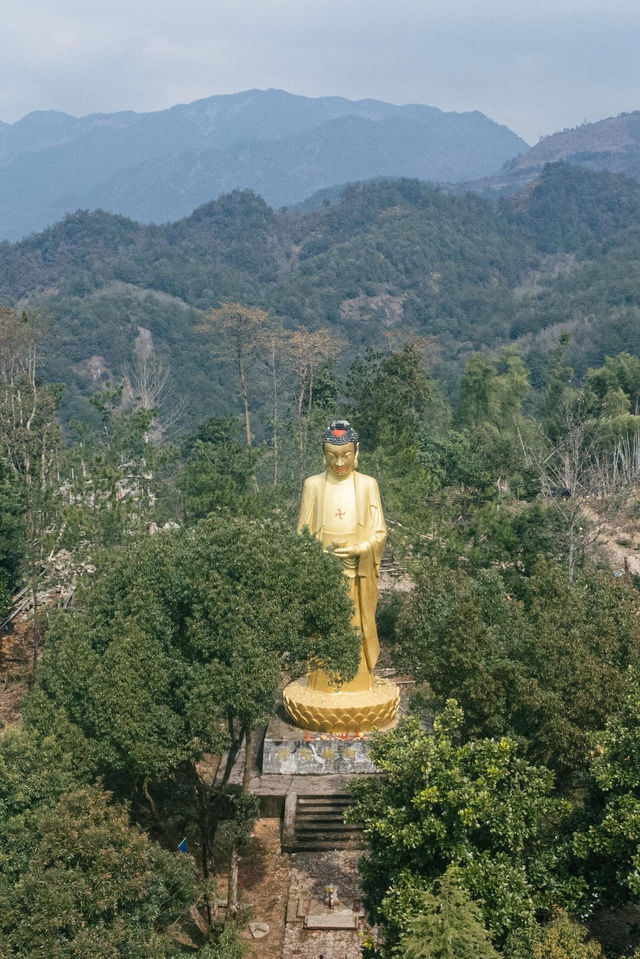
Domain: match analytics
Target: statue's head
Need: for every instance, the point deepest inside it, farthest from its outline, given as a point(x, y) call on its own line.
point(340, 445)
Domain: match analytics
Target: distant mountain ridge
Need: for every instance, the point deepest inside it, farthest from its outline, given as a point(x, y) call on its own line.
point(159, 166)
point(612, 144)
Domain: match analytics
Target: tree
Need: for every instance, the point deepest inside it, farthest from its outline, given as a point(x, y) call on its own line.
point(273, 348)
point(310, 351)
point(30, 446)
point(217, 472)
point(240, 325)
point(565, 939)
point(580, 478)
point(149, 383)
point(179, 650)
point(620, 372)
point(547, 668)
point(493, 389)
point(449, 925)
point(12, 535)
point(35, 771)
point(478, 806)
point(609, 842)
point(400, 416)
point(30, 435)
point(486, 455)
point(237, 832)
point(93, 886)
point(108, 492)
point(391, 395)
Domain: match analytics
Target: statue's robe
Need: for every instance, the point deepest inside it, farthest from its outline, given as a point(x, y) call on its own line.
point(371, 535)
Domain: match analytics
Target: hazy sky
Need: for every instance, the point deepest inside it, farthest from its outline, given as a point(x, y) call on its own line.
point(537, 66)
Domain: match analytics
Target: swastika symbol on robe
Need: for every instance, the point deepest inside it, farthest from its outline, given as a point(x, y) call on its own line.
point(340, 514)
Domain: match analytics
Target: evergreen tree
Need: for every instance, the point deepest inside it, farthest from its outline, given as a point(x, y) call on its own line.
point(449, 925)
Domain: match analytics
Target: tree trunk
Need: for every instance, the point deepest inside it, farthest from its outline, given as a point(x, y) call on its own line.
point(232, 897)
point(205, 828)
point(572, 556)
point(275, 421)
point(248, 760)
point(233, 749)
point(169, 839)
point(245, 405)
point(245, 395)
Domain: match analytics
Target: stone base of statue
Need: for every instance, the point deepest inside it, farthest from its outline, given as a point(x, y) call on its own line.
point(290, 751)
point(342, 712)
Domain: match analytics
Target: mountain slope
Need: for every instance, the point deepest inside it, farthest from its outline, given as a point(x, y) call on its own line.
point(159, 166)
point(389, 261)
point(612, 144)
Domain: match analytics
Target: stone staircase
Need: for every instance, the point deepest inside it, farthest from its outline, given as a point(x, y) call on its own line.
point(316, 824)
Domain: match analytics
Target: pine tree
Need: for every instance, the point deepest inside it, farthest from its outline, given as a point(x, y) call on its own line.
point(449, 928)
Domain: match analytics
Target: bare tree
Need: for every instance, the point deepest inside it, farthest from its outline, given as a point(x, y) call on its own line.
point(150, 385)
point(29, 433)
point(308, 349)
point(31, 440)
point(585, 482)
point(273, 348)
point(238, 325)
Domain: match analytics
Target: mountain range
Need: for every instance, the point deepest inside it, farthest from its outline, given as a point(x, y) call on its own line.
point(157, 167)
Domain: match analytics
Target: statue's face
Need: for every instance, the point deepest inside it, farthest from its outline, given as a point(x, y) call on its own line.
point(340, 460)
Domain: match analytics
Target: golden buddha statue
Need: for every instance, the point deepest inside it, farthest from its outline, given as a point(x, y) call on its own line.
point(343, 509)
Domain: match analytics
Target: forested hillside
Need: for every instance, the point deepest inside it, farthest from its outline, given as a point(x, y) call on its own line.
point(392, 259)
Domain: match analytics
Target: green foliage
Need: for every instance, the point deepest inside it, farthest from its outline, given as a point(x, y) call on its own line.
point(393, 394)
point(226, 944)
point(449, 925)
point(217, 471)
point(618, 373)
point(565, 939)
point(493, 389)
point(610, 842)
point(184, 633)
point(93, 886)
point(477, 805)
point(35, 771)
point(546, 668)
point(574, 209)
point(398, 410)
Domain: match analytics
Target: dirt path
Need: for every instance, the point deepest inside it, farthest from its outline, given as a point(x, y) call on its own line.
point(264, 877)
point(270, 879)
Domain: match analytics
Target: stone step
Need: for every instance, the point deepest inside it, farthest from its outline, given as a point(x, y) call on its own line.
point(325, 845)
point(309, 828)
point(335, 815)
point(338, 803)
point(316, 823)
point(325, 804)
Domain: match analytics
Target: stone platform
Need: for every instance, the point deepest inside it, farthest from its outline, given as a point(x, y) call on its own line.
point(290, 751)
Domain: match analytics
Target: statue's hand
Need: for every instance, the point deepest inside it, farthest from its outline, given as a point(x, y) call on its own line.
point(358, 549)
point(345, 552)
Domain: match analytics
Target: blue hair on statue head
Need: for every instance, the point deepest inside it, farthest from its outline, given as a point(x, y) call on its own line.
point(340, 433)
